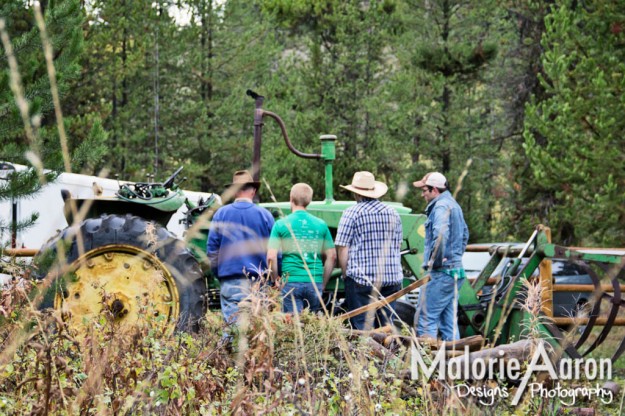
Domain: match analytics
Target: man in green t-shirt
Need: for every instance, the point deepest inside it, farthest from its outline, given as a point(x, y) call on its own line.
point(308, 254)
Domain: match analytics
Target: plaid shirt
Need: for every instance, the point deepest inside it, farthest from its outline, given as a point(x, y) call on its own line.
point(373, 233)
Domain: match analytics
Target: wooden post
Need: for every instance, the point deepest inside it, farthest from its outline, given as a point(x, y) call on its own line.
point(19, 252)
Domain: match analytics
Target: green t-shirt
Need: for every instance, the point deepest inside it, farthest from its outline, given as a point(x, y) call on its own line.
point(312, 238)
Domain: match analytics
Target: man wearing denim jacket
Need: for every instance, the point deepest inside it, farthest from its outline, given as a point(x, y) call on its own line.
point(446, 237)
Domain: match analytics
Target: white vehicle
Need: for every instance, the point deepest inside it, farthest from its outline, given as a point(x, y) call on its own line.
point(49, 204)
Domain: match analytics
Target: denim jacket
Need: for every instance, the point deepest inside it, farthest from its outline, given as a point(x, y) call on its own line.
point(445, 221)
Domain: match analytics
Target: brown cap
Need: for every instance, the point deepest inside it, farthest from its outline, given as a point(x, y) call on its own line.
point(243, 177)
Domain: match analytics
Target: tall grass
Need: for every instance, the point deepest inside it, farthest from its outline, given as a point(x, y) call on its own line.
point(281, 364)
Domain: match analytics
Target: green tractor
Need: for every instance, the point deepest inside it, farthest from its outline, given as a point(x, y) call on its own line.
point(490, 307)
point(117, 256)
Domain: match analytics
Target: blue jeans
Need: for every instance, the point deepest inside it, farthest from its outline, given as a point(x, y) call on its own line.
point(299, 295)
point(357, 295)
point(231, 293)
point(438, 306)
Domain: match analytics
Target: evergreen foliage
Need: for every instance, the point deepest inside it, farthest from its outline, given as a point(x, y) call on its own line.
point(530, 91)
point(174, 94)
point(233, 49)
point(63, 25)
point(573, 137)
point(449, 111)
point(333, 74)
point(516, 83)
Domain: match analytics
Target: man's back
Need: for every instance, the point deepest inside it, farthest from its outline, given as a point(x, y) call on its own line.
point(237, 241)
point(303, 238)
point(373, 233)
point(445, 226)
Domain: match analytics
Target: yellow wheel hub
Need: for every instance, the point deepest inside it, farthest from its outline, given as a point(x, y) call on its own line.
point(129, 285)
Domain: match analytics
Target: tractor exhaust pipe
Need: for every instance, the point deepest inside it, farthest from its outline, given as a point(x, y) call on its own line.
point(258, 133)
point(328, 145)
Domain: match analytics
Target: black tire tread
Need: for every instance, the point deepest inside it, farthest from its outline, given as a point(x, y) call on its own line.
point(132, 230)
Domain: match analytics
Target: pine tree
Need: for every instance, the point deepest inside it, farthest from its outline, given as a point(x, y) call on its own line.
point(173, 94)
point(63, 26)
point(572, 138)
point(63, 22)
point(229, 47)
point(448, 101)
point(332, 71)
point(116, 83)
point(520, 83)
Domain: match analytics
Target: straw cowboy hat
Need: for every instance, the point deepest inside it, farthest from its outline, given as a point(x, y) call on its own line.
point(364, 184)
point(242, 178)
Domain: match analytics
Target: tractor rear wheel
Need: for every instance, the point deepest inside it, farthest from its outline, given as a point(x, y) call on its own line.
point(132, 269)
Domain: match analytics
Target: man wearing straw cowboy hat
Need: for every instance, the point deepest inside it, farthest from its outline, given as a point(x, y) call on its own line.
point(446, 237)
point(237, 243)
point(368, 240)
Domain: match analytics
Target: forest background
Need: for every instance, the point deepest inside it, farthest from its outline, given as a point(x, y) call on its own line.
point(531, 92)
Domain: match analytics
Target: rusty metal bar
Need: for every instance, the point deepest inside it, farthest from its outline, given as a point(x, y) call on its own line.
point(607, 288)
point(557, 287)
point(259, 113)
point(258, 132)
point(602, 249)
point(18, 252)
point(286, 138)
point(486, 248)
point(385, 301)
point(479, 248)
point(505, 249)
point(583, 321)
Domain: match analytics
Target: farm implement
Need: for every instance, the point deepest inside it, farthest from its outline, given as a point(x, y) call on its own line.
point(494, 304)
point(117, 256)
point(491, 306)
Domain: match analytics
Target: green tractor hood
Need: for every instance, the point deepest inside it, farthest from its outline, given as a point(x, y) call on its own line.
point(153, 201)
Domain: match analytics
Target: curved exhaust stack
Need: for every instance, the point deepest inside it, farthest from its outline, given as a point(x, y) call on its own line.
point(328, 146)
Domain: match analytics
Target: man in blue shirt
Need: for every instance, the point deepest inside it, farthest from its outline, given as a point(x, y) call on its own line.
point(446, 237)
point(237, 244)
point(368, 239)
